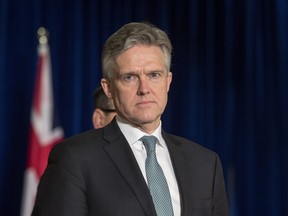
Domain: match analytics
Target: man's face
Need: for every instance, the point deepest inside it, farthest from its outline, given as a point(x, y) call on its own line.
point(140, 88)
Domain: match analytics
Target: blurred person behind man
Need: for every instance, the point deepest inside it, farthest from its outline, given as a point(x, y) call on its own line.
point(104, 109)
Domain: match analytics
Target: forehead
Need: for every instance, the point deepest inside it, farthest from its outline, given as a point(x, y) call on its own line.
point(141, 55)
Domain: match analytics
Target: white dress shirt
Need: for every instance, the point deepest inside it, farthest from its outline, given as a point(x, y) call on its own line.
point(133, 136)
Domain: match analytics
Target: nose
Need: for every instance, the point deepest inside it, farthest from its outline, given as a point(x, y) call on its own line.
point(143, 87)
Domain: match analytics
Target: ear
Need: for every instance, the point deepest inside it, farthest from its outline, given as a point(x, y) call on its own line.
point(169, 80)
point(97, 118)
point(106, 87)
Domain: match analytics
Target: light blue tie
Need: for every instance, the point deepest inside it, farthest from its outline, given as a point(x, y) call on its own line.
point(156, 180)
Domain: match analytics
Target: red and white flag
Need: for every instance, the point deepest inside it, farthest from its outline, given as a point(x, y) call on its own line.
point(44, 130)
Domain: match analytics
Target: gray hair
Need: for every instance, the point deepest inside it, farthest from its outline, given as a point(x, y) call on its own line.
point(131, 34)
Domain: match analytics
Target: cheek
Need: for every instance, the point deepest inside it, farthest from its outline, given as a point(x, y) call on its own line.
point(162, 90)
point(123, 98)
point(163, 96)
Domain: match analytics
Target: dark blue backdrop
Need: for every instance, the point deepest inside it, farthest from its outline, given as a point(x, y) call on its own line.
point(229, 90)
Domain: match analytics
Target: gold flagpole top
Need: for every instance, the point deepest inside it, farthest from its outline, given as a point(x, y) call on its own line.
point(43, 35)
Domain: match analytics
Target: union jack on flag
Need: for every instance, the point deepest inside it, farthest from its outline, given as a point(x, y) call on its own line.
point(44, 130)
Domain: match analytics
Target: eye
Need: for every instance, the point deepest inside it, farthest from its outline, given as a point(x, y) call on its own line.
point(128, 77)
point(154, 75)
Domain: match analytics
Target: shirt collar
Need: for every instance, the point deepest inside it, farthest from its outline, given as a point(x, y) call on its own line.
point(133, 134)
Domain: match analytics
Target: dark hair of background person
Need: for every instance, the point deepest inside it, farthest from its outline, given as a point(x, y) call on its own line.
point(101, 101)
point(104, 109)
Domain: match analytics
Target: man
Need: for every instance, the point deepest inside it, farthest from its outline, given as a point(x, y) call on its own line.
point(104, 110)
point(108, 171)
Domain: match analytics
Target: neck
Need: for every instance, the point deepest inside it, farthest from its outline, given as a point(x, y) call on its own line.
point(147, 128)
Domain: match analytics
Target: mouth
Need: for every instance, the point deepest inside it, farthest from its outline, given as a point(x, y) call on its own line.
point(145, 103)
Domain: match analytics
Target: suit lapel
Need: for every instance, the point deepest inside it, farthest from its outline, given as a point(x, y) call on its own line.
point(181, 172)
point(123, 158)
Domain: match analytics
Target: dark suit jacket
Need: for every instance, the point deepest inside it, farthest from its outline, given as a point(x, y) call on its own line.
point(95, 173)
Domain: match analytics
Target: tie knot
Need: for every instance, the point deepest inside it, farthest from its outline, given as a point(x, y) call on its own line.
point(149, 143)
